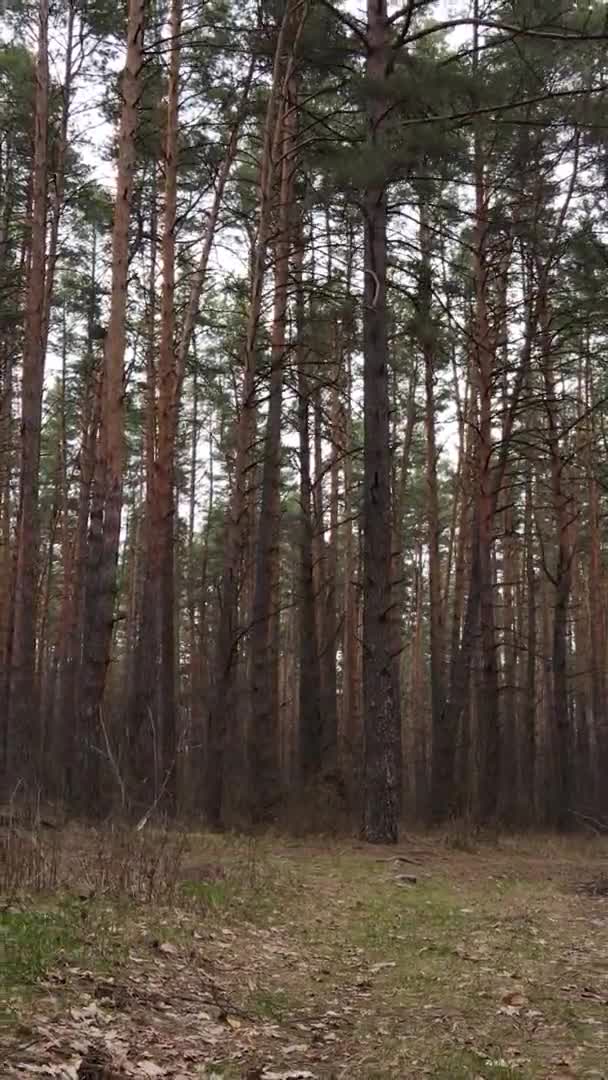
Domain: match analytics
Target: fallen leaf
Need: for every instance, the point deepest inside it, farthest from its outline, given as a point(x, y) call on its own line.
point(515, 999)
point(88, 1012)
point(168, 949)
point(151, 1069)
point(234, 1022)
point(381, 967)
point(298, 1074)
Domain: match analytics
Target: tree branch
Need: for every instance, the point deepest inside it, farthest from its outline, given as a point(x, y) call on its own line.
point(348, 21)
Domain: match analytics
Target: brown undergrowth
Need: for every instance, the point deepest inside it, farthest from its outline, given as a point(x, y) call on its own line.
point(272, 958)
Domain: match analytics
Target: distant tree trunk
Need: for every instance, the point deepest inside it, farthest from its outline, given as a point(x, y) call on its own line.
point(324, 572)
point(49, 677)
point(449, 739)
point(382, 726)
point(309, 710)
point(510, 790)
point(6, 577)
point(23, 703)
point(69, 698)
point(168, 404)
point(266, 792)
point(142, 699)
point(351, 705)
point(528, 739)
point(428, 345)
point(484, 358)
point(200, 276)
point(58, 174)
point(75, 558)
point(418, 703)
point(195, 734)
point(597, 593)
point(239, 523)
point(564, 511)
point(110, 463)
point(329, 706)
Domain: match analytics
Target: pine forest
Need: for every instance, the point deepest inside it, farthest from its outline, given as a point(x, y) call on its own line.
point(304, 411)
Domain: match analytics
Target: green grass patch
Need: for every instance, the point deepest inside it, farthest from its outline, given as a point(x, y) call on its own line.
point(408, 919)
point(467, 1066)
point(31, 941)
point(269, 1004)
point(220, 1070)
point(35, 940)
point(214, 895)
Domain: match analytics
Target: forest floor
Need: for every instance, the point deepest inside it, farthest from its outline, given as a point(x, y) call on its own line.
point(268, 959)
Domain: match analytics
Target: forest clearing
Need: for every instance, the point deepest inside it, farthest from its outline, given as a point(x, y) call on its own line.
point(303, 411)
point(206, 956)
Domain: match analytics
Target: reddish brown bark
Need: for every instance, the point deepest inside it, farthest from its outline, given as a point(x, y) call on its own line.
point(239, 525)
point(266, 787)
point(428, 346)
point(107, 499)
point(23, 701)
point(163, 568)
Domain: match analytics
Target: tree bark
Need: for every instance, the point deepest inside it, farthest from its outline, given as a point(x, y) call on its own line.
point(105, 522)
point(23, 703)
point(309, 755)
point(266, 793)
point(239, 524)
point(428, 345)
point(382, 726)
point(564, 511)
point(168, 404)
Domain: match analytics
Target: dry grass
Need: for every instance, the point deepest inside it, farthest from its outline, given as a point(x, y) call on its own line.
point(115, 861)
point(321, 957)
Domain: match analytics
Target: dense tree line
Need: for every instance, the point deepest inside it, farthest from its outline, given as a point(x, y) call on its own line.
point(302, 410)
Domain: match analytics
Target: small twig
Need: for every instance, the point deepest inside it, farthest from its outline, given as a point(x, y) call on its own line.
point(113, 761)
point(141, 824)
point(600, 828)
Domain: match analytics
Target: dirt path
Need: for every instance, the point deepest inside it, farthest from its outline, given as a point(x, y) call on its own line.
point(297, 961)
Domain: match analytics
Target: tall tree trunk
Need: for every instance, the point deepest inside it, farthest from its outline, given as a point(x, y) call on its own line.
point(351, 696)
point(428, 344)
point(309, 710)
point(564, 513)
point(528, 736)
point(23, 703)
point(6, 577)
point(382, 753)
point(168, 391)
point(484, 359)
point(194, 733)
point(109, 469)
point(597, 595)
point(239, 522)
point(142, 696)
point(266, 791)
point(76, 556)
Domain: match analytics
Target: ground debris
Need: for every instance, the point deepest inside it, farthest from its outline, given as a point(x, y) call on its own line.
point(597, 886)
point(96, 1064)
point(330, 973)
